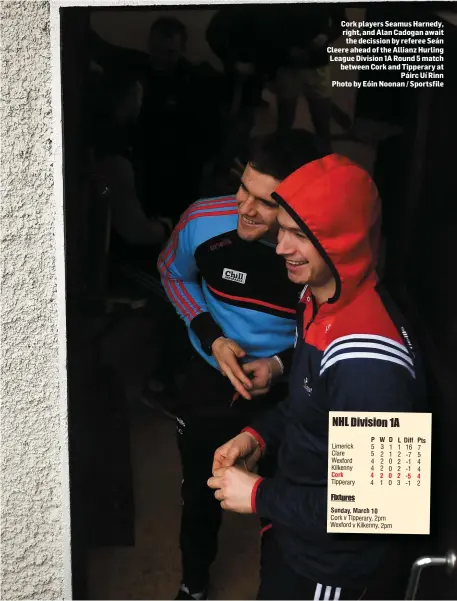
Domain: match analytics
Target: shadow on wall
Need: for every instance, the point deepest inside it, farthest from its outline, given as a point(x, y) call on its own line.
point(130, 28)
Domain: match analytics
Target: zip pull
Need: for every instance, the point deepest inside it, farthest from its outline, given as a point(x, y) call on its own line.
point(315, 311)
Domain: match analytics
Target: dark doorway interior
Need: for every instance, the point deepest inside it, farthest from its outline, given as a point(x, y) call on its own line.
point(414, 174)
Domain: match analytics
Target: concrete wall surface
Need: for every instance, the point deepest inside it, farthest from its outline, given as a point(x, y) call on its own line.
point(35, 525)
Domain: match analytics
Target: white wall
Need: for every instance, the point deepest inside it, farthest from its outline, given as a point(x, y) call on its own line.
point(35, 507)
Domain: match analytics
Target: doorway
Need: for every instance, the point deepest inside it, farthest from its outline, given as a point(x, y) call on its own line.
point(125, 473)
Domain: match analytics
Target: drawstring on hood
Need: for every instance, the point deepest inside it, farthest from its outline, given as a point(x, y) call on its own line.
point(336, 204)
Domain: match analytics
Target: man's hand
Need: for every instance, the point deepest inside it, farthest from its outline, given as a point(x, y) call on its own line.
point(234, 488)
point(227, 352)
point(263, 373)
point(242, 447)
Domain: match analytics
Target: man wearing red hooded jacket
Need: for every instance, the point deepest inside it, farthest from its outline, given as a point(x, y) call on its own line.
point(353, 353)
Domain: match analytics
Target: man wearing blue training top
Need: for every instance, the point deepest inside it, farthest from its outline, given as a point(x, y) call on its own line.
point(221, 272)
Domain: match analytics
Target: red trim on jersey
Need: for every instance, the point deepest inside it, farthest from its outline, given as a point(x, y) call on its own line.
point(254, 494)
point(253, 301)
point(265, 529)
point(256, 435)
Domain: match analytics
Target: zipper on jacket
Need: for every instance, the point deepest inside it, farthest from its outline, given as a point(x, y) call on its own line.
point(315, 310)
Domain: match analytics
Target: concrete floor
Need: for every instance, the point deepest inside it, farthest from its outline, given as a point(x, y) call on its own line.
point(151, 569)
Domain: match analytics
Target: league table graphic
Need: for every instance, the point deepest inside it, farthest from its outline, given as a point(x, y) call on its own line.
point(379, 473)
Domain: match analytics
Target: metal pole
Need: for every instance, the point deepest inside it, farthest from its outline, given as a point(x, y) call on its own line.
point(449, 560)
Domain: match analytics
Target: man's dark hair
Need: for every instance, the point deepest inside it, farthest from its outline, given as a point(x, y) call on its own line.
point(281, 153)
point(169, 27)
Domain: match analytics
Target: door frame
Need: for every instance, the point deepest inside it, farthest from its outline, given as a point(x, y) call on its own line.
point(60, 246)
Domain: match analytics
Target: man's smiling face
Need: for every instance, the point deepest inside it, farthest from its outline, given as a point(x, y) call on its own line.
point(257, 211)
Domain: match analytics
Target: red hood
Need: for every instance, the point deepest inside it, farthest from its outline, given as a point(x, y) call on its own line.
point(337, 205)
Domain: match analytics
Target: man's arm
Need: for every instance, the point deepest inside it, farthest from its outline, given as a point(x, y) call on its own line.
point(180, 278)
point(179, 273)
point(127, 215)
point(285, 357)
point(269, 429)
point(353, 385)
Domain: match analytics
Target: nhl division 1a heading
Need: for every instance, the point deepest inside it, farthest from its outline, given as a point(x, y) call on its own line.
point(366, 422)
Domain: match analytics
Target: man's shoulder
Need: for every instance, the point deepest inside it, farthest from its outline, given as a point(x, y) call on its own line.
point(367, 314)
point(365, 329)
point(217, 207)
point(209, 218)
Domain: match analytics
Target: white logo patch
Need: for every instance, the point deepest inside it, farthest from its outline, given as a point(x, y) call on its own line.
point(234, 276)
